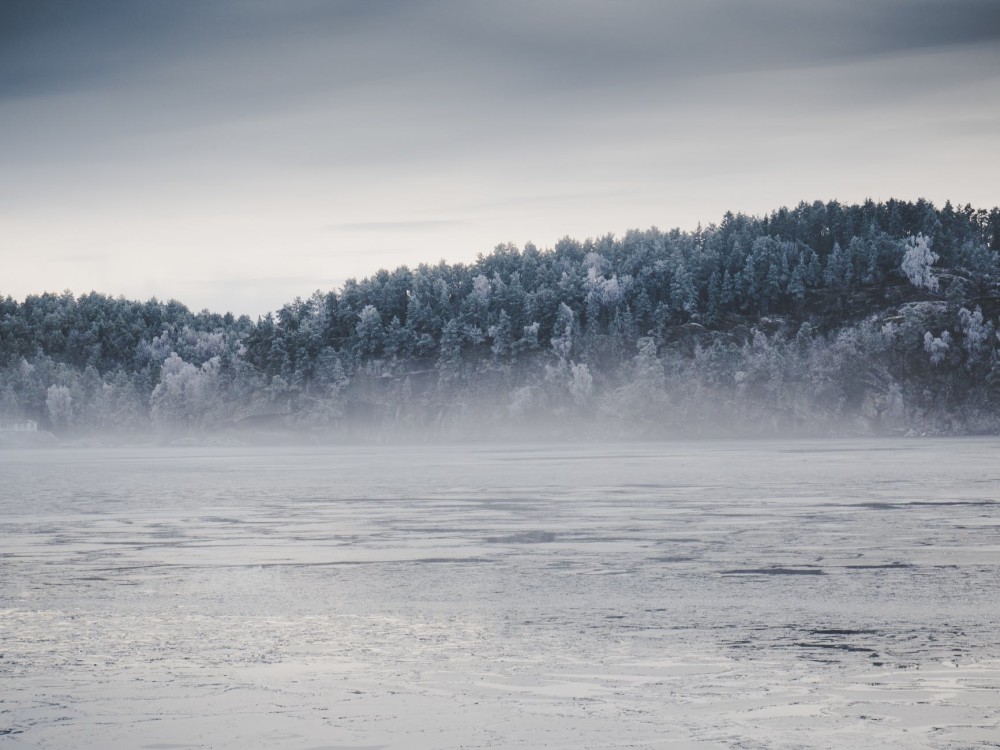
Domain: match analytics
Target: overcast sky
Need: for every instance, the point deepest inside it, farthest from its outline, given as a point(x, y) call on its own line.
point(239, 153)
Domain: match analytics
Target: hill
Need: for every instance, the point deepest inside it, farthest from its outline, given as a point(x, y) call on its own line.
point(821, 319)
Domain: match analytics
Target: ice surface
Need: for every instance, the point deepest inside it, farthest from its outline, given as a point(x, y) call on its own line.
point(779, 595)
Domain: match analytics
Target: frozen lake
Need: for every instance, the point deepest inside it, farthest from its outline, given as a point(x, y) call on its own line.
point(753, 595)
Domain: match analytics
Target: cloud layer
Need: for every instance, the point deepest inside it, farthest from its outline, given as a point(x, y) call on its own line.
point(237, 141)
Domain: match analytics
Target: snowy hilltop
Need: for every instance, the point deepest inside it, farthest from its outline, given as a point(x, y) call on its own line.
point(823, 319)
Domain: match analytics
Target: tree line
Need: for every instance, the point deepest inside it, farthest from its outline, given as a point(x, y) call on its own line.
point(823, 318)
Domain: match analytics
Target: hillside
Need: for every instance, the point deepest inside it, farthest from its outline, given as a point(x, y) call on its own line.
point(823, 319)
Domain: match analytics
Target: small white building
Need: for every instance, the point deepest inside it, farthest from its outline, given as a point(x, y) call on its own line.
point(18, 425)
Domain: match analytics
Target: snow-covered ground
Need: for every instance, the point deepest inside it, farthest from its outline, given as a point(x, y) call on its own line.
point(771, 595)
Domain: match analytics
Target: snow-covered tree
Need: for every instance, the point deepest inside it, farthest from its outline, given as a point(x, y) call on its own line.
point(917, 262)
point(481, 290)
point(937, 346)
point(529, 337)
point(59, 404)
point(501, 335)
point(370, 332)
point(449, 360)
point(581, 383)
point(977, 332)
point(839, 268)
point(187, 395)
point(562, 332)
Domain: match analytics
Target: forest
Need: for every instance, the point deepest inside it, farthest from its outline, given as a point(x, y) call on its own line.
point(823, 319)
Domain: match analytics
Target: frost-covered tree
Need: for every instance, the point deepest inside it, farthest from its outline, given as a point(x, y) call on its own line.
point(917, 262)
point(976, 333)
point(449, 360)
point(797, 282)
point(529, 338)
point(581, 383)
point(186, 396)
point(59, 405)
point(500, 332)
point(481, 290)
point(562, 332)
point(683, 295)
point(839, 268)
point(937, 346)
point(369, 331)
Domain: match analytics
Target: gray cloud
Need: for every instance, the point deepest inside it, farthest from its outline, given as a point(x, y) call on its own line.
point(59, 45)
point(392, 82)
point(251, 132)
point(263, 47)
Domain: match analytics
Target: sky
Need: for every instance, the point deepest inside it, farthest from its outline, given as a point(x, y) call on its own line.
point(235, 154)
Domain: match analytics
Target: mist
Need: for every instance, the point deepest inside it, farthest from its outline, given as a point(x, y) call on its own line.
point(460, 374)
point(819, 320)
